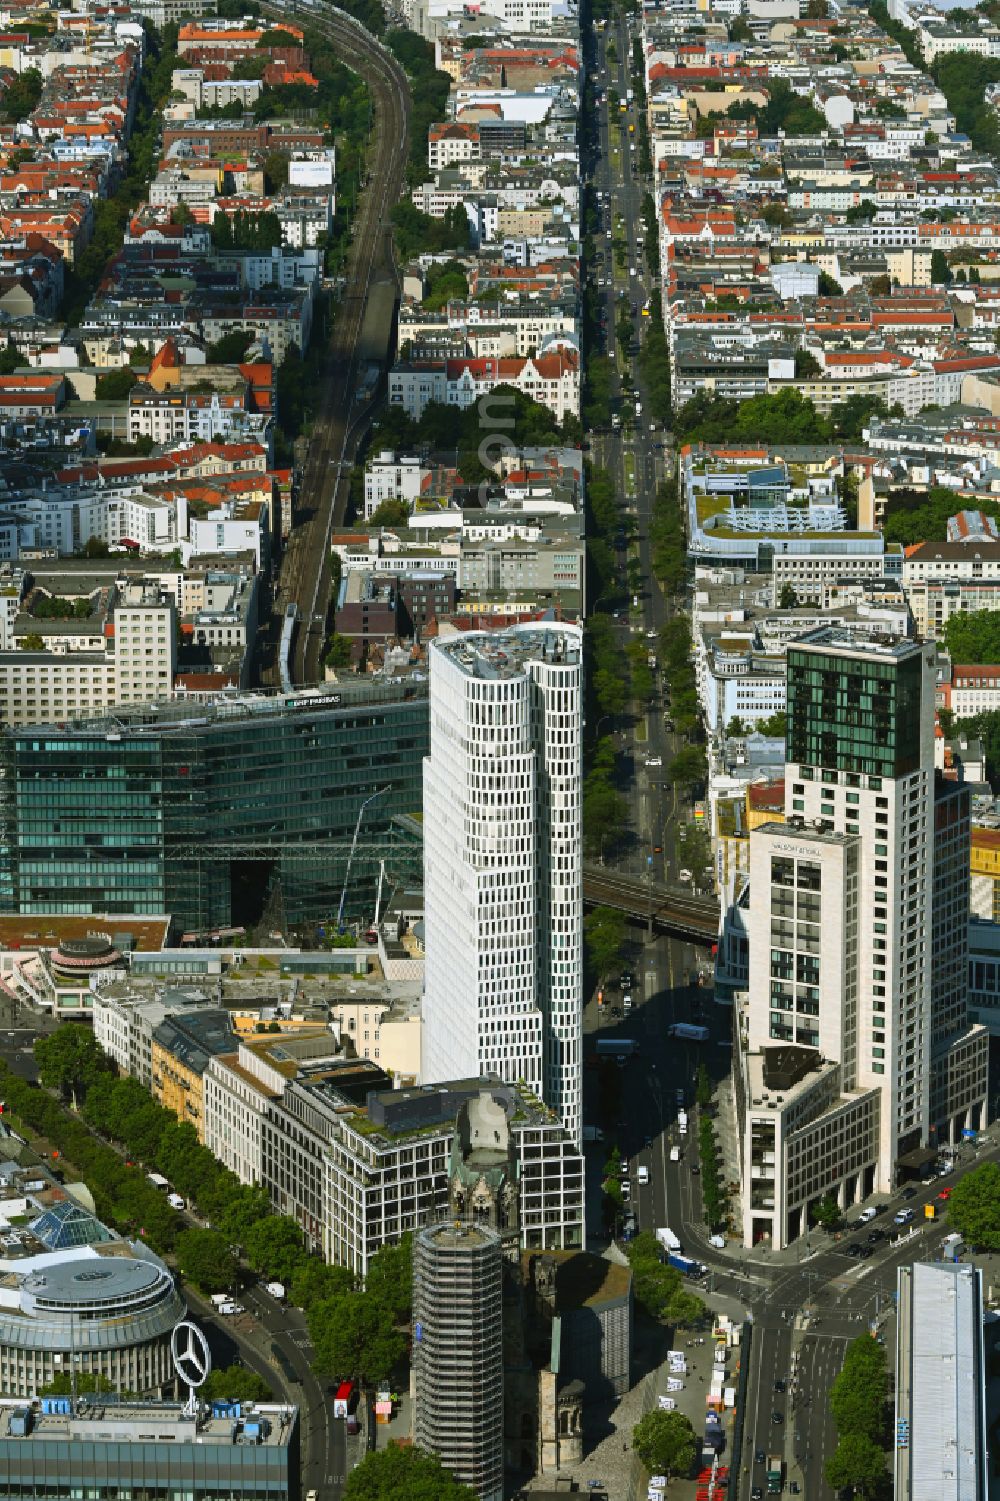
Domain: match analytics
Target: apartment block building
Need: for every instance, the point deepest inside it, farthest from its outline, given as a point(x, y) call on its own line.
point(358, 1163)
point(124, 1023)
point(129, 658)
point(387, 1169)
point(182, 1046)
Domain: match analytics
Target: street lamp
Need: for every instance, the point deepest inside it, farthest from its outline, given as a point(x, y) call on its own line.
point(350, 858)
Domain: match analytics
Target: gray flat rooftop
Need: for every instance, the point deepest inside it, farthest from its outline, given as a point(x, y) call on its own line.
point(506, 654)
point(940, 1384)
point(836, 638)
point(149, 1422)
point(93, 1280)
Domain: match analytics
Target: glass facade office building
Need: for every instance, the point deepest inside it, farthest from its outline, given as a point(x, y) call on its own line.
point(855, 708)
point(200, 811)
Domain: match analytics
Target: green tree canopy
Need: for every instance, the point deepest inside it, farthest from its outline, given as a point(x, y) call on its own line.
point(204, 1257)
point(237, 1383)
point(858, 1395)
point(116, 385)
point(940, 270)
point(604, 939)
point(241, 1210)
point(826, 1213)
point(313, 1281)
point(775, 726)
point(974, 1206)
point(70, 1060)
point(404, 1474)
point(665, 1442)
point(231, 349)
point(922, 516)
point(974, 636)
point(418, 233)
point(445, 282)
point(246, 231)
point(785, 417)
point(275, 1247)
point(21, 96)
point(859, 1462)
point(390, 1279)
point(660, 1289)
point(688, 766)
point(354, 1335)
point(338, 651)
point(390, 512)
point(275, 37)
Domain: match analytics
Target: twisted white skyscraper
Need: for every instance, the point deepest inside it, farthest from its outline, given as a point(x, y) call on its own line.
point(503, 851)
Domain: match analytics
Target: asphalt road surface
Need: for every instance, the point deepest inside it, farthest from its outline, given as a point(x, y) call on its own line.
point(804, 1310)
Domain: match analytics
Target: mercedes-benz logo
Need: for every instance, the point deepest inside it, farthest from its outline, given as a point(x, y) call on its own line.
point(190, 1354)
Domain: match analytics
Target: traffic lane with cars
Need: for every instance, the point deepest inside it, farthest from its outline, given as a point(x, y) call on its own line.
point(272, 1339)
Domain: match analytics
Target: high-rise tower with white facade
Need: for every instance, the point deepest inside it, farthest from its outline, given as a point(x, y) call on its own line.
point(503, 862)
point(856, 1056)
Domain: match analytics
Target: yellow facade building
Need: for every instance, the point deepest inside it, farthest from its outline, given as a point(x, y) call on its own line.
point(984, 885)
point(181, 1049)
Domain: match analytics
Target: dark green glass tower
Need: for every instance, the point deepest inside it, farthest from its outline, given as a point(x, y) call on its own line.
point(855, 712)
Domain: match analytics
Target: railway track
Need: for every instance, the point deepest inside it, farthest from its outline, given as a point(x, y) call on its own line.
point(599, 879)
point(305, 579)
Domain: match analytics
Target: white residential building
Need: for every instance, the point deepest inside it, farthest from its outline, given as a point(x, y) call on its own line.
point(551, 378)
point(145, 656)
point(391, 476)
point(233, 1107)
point(124, 1022)
point(502, 862)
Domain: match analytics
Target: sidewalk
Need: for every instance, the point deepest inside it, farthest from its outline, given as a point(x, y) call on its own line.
point(813, 1244)
point(612, 1461)
point(400, 1425)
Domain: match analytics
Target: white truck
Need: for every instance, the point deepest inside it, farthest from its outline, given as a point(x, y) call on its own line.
point(219, 1298)
point(276, 1289)
point(668, 1240)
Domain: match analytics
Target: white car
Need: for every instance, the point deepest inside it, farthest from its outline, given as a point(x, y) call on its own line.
point(651, 635)
point(685, 875)
point(718, 1241)
point(655, 761)
point(626, 1189)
